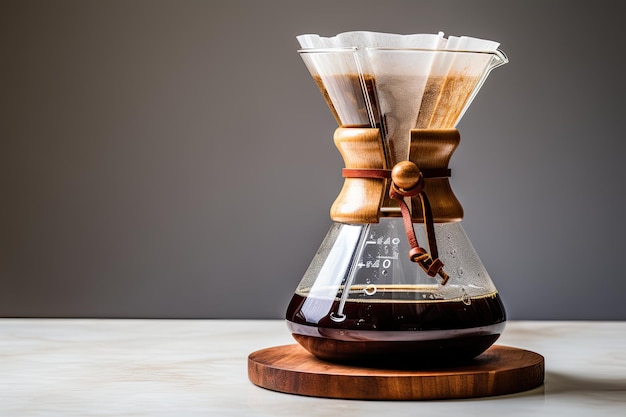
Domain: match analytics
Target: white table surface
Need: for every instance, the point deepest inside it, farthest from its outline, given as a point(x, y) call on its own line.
point(86, 367)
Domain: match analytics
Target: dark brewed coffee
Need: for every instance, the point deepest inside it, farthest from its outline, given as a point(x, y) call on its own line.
point(386, 329)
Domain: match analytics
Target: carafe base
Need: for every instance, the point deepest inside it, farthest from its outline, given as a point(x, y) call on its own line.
point(427, 349)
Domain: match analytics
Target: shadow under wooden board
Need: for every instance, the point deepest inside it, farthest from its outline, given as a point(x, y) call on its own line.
point(498, 371)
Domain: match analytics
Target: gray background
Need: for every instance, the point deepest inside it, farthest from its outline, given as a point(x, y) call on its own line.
point(174, 159)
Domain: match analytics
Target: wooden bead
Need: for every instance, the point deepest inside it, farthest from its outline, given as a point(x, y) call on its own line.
point(405, 175)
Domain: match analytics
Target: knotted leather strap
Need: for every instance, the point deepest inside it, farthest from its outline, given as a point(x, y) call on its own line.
point(430, 263)
point(386, 173)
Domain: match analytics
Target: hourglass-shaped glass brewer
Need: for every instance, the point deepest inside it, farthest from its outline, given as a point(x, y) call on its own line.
point(396, 277)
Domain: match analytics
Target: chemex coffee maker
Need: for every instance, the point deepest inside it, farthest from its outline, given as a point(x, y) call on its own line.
point(396, 288)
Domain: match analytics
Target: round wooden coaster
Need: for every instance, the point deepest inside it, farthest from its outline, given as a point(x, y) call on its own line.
point(291, 369)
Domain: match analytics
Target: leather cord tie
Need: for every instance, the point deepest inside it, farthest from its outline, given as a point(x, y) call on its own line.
point(366, 173)
point(407, 174)
point(386, 173)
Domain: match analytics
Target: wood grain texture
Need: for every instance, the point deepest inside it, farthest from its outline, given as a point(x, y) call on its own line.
point(360, 198)
point(291, 369)
point(432, 149)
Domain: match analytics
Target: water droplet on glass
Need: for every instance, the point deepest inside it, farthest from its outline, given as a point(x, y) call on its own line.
point(384, 272)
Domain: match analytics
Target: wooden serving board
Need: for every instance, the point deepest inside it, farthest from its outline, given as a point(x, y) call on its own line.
point(498, 371)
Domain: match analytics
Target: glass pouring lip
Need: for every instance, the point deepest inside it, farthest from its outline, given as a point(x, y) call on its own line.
point(498, 52)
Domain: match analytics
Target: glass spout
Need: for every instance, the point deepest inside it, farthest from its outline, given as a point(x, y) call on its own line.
point(499, 59)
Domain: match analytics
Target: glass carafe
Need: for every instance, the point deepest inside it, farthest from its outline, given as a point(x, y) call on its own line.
point(396, 278)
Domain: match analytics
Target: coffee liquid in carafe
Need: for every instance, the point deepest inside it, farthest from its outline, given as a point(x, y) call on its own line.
point(423, 333)
point(372, 305)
